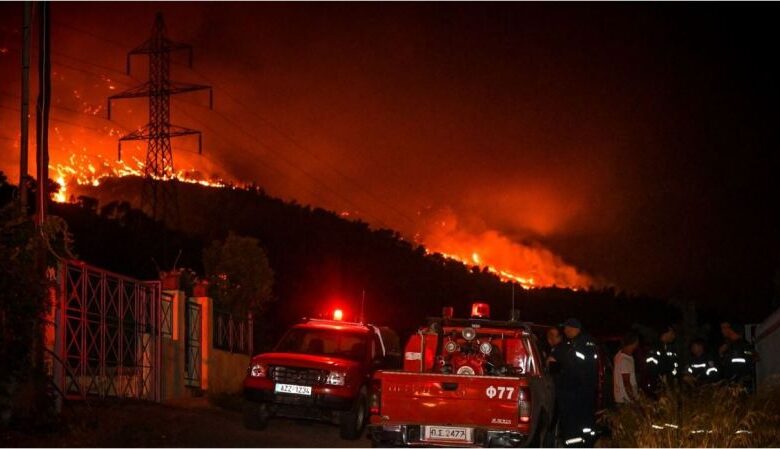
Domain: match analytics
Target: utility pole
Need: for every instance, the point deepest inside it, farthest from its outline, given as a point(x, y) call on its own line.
point(25, 117)
point(159, 196)
point(44, 98)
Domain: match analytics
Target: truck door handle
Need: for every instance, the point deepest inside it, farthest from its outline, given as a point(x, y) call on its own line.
point(449, 386)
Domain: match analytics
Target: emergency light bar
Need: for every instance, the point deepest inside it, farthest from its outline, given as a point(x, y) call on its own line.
point(480, 310)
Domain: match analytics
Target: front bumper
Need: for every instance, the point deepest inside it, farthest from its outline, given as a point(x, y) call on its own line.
point(410, 435)
point(321, 407)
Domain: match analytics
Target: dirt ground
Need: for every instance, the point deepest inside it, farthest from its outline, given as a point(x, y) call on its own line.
point(194, 422)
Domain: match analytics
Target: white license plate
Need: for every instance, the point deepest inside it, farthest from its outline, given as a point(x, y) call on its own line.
point(441, 433)
point(293, 389)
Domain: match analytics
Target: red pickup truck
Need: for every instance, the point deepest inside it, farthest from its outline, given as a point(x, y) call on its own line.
point(465, 382)
point(320, 369)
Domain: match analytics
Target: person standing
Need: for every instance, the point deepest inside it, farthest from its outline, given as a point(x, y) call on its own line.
point(624, 371)
point(738, 357)
point(662, 361)
point(555, 347)
point(702, 367)
point(577, 386)
point(554, 340)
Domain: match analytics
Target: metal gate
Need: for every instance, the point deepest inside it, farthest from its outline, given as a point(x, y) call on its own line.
point(192, 344)
point(108, 334)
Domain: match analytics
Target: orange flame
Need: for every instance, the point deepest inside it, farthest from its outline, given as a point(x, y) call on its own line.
point(83, 169)
point(529, 265)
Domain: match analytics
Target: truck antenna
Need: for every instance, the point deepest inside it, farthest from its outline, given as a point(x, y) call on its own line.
point(362, 305)
point(512, 312)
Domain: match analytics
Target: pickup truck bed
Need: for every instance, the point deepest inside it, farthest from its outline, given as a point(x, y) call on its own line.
point(448, 409)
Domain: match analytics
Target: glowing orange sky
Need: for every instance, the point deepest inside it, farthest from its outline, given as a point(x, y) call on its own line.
point(595, 133)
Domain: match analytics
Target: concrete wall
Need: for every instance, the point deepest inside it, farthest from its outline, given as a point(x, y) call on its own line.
point(767, 341)
point(221, 371)
point(227, 371)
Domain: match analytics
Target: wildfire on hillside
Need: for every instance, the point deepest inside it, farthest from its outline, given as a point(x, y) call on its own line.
point(83, 169)
point(528, 266)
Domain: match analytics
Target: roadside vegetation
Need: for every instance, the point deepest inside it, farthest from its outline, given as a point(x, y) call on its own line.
point(717, 415)
point(28, 255)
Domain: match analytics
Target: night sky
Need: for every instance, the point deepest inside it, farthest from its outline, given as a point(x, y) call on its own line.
point(637, 142)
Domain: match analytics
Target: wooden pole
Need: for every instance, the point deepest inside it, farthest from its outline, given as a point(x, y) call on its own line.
point(44, 97)
point(25, 116)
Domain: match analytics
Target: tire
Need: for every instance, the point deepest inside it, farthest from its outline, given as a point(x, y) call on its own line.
point(354, 421)
point(256, 416)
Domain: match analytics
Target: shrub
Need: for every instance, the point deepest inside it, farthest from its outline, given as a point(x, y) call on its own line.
point(241, 278)
point(716, 415)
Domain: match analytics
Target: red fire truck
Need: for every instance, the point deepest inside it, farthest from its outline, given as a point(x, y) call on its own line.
point(320, 369)
point(465, 382)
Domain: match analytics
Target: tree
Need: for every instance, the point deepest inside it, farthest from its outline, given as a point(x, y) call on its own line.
point(239, 272)
point(25, 251)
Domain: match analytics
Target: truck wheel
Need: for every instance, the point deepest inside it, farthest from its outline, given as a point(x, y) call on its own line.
point(353, 421)
point(255, 416)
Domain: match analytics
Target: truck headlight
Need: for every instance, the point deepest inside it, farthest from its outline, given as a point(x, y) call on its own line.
point(257, 370)
point(336, 378)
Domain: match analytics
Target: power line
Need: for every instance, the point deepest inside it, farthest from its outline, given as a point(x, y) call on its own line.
point(275, 128)
point(289, 163)
point(300, 146)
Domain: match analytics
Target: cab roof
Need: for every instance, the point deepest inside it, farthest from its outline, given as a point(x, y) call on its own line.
point(481, 323)
point(317, 323)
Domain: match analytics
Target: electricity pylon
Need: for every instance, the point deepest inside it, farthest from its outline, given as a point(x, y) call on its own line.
point(159, 194)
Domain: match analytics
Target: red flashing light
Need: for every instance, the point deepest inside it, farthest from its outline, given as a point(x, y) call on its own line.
point(338, 315)
point(480, 310)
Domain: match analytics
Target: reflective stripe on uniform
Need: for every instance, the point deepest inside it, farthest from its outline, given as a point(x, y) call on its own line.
point(579, 354)
point(571, 441)
point(738, 360)
point(699, 365)
point(710, 370)
point(652, 359)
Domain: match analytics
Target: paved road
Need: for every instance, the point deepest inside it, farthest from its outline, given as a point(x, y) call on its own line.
point(190, 423)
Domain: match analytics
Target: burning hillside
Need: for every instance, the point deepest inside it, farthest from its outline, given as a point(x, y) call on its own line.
point(528, 265)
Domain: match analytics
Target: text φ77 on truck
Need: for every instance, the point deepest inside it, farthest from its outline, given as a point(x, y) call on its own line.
point(465, 382)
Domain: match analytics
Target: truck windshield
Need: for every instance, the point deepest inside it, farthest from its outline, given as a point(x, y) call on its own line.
point(347, 345)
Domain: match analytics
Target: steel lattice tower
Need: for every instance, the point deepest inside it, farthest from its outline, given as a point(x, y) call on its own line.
point(158, 195)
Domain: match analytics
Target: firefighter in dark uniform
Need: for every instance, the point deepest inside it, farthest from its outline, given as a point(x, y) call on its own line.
point(663, 363)
point(702, 367)
point(737, 356)
point(555, 347)
point(577, 386)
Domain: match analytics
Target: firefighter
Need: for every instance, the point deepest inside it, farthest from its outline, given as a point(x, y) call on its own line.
point(576, 392)
point(662, 362)
point(555, 346)
point(737, 356)
point(702, 367)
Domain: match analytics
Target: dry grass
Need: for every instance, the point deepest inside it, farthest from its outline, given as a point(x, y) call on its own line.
point(716, 415)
